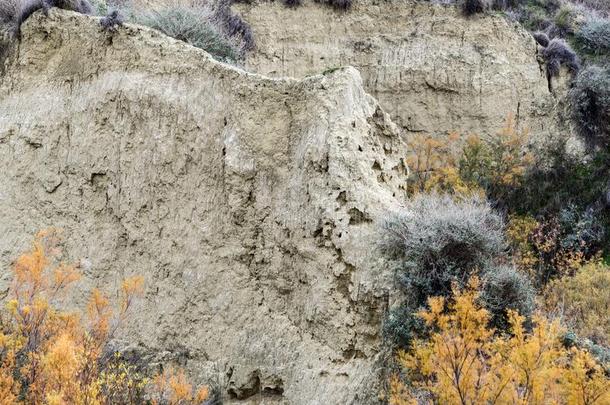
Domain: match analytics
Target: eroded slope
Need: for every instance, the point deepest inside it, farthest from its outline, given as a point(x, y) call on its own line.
point(249, 204)
point(431, 69)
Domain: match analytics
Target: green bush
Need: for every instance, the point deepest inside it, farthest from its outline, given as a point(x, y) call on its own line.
point(590, 105)
point(193, 26)
point(533, 17)
point(594, 37)
point(439, 240)
point(566, 20)
point(556, 179)
point(505, 288)
point(403, 325)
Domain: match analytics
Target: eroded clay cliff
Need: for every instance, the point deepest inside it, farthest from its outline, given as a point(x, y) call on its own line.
point(432, 69)
point(249, 204)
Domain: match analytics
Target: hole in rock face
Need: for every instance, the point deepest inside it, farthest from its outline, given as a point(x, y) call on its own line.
point(358, 217)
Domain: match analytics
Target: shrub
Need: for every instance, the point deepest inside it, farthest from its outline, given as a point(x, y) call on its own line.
point(492, 164)
point(472, 7)
point(8, 11)
point(193, 25)
point(558, 245)
point(465, 362)
point(337, 4)
point(602, 6)
point(234, 27)
point(590, 102)
point(558, 53)
point(601, 353)
point(402, 325)
point(532, 17)
point(433, 165)
point(505, 289)
point(594, 37)
point(584, 302)
point(497, 164)
point(541, 38)
point(440, 240)
point(172, 387)
point(49, 356)
point(567, 20)
point(581, 230)
point(506, 4)
point(292, 3)
point(557, 178)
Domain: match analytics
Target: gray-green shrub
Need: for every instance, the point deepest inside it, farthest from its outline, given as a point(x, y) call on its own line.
point(590, 105)
point(505, 288)
point(439, 240)
point(194, 26)
point(594, 37)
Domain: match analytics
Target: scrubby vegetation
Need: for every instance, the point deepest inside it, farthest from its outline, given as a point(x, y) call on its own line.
point(594, 37)
point(583, 300)
point(557, 54)
point(206, 24)
point(570, 33)
point(471, 7)
point(464, 361)
point(209, 25)
point(590, 99)
point(440, 242)
point(522, 221)
point(51, 356)
point(185, 24)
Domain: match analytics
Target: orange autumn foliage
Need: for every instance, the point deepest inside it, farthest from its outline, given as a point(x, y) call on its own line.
point(466, 362)
point(171, 387)
point(53, 357)
point(471, 164)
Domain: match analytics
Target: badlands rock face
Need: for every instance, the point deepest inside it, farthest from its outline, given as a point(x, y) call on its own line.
point(251, 205)
point(430, 68)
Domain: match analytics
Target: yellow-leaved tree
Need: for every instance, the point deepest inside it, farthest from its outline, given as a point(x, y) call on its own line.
point(54, 357)
point(466, 362)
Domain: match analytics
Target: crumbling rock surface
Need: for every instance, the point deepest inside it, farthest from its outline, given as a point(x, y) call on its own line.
point(432, 69)
point(251, 205)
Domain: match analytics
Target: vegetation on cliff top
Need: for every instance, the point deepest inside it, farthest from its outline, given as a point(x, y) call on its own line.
point(209, 25)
